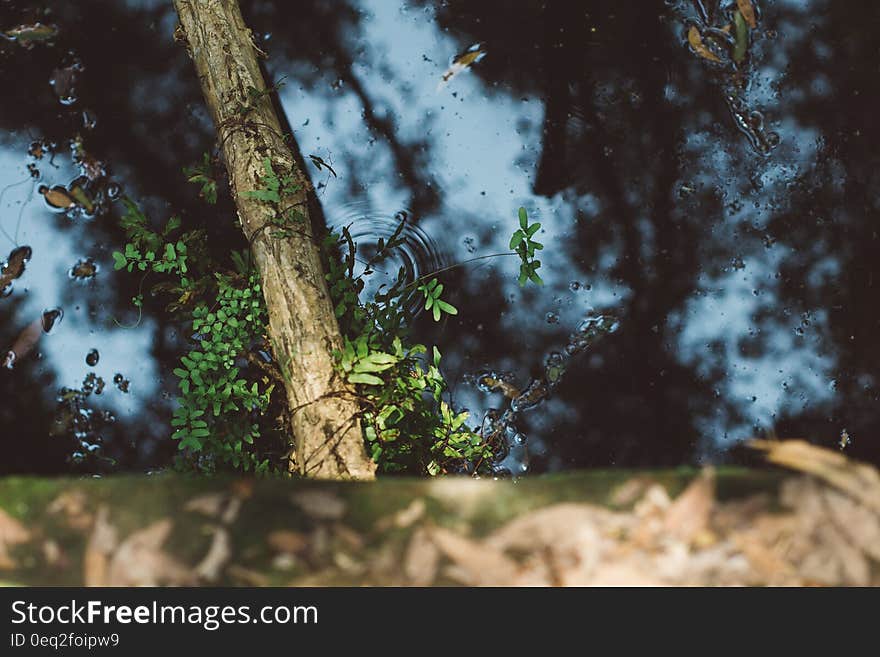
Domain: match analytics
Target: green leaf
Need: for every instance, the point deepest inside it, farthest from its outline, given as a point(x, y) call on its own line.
point(119, 261)
point(172, 225)
point(523, 218)
point(447, 308)
point(534, 228)
point(267, 195)
point(517, 239)
point(741, 46)
point(366, 379)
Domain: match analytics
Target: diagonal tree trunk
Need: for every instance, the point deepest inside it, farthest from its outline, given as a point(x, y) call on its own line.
point(324, 413)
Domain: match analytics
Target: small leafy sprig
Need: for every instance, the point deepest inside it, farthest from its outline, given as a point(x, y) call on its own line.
point(213, 418)
point(524, 246)
point(407, 423)
point(432, 290)
point(203, 174)
point(222, 408)
point(275, 187)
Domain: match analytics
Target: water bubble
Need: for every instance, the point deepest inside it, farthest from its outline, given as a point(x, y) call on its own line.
point(92, 358)
point(574, 286)
point(552, 318)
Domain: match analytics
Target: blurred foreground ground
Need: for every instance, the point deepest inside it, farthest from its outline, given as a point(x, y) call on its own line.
point(819, 525)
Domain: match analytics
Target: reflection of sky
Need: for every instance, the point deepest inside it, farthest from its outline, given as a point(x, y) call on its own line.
point(57, 244)
point(484, 146)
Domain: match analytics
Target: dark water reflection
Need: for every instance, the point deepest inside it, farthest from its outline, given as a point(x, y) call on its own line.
point(743, 281)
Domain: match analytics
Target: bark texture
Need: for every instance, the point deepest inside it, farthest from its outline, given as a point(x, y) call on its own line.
point(325, 426)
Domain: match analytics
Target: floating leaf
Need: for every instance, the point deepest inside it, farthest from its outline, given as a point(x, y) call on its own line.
point(696, 41)
point(748, 12)
point(80, 196)
point(741, 47)
point(462, 63)
point(86, 268)
point(28, 35)
point(13, 268)
point(58, 197)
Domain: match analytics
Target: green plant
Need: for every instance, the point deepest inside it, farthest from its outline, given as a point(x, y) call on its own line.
point(432, 291)
point(409, 424)
point(524, 246)
point(203, 174)
point(277, 190)
point(213, 418)
point(219, 413)
point(255, 96)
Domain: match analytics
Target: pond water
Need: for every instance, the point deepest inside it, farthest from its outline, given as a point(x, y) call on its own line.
point(724, 212)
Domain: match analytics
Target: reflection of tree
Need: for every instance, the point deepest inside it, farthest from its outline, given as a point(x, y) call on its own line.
point(25, 418)
point(318, 33)
point(610, 130)
point(832, 218)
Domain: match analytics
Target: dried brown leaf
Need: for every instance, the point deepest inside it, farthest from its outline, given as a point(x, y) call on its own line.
point(12, 532)
point(696, 41)
point(422, 559)
point(859, 524)
point(287, 541)
point(689, 514)
point(100, 546)
point(319, 504)
point(219, 554)
point(58, 197)
point(140, 560)
point(859, 480)
point(210, 504)
point(748, 12)
point(477, 563)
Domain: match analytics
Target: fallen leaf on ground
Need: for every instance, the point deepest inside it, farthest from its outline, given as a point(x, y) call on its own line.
point(476, 564)
point(859, 524)
point(688, 517)
point(422, 559)
point(73, 505)
point(12, 532)
point(218, 556)
point(320, 505)
point(859, 480)
point(99, 547)
point(140, 560)
point(210, 504)
point(287, 541)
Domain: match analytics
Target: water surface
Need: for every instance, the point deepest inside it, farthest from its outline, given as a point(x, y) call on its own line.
point(732, 235)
